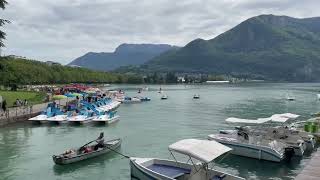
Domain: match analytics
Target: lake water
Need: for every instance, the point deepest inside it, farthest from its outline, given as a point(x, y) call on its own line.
point(148, 128)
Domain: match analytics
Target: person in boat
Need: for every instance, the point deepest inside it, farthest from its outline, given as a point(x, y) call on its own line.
point(100, 142)
point(69, 153)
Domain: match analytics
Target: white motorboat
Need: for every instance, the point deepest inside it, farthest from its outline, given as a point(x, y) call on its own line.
point(196, 96)
point(107, 119)
point(164, 97)
point(267, 143)
point(318, 96)
point(254, 146)
point(283, 133)
point(200, 153)
point(290, 97)
point(131, 100)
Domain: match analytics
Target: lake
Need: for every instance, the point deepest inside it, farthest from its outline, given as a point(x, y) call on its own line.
point(148, 128)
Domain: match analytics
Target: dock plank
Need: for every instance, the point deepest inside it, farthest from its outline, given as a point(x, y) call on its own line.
point(312, 169)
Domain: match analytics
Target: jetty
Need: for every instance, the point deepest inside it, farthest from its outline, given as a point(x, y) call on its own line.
point(311, 170)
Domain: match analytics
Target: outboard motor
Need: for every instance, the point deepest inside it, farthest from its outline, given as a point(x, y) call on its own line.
point(288, 153)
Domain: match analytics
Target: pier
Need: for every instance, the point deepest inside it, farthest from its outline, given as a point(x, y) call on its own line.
point(311, 170)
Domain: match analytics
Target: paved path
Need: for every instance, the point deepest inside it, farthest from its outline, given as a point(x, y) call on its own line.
point(13, 114)
point(312, 169)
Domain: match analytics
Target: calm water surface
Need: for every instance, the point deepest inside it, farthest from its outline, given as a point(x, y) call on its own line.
point(148, 128)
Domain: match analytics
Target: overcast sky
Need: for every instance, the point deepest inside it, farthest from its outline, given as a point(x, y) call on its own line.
point(61, 30)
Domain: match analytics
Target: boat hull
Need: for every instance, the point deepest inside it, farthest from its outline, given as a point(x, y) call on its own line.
point(63, 160)
point(57, 119)
point(39, 119)
point(107, 120)
point(138, 171)
point(251, 151)
point(80, 119)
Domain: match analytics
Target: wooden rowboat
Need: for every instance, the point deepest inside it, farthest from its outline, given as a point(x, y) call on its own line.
point(75, 155)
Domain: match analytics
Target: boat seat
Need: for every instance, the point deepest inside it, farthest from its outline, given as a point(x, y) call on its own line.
point(170, 171)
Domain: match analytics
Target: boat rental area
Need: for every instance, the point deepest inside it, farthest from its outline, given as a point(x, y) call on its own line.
point(179, 132)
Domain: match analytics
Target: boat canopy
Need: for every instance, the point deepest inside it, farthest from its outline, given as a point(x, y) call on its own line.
point(283, 117)
point(202, 150)
point(280, 118)
point(248, 121)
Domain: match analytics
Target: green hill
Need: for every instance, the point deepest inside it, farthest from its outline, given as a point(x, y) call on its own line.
point(22, 71)
point(264, 47)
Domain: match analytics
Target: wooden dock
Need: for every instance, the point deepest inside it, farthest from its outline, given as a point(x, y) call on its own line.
point(312, 169)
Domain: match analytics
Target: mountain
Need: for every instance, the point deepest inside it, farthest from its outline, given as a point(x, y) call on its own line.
point(125, 54)
point(266, 47)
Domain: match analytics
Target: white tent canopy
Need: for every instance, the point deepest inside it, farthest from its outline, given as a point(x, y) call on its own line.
point(280, 118)
point(202, 150)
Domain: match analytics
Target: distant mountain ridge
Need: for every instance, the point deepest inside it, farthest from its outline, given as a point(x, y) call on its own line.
point(124, 55)
point(265, 47)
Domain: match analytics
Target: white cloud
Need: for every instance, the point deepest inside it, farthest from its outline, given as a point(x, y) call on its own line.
point(62, 30)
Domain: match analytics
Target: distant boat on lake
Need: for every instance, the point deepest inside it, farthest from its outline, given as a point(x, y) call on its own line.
point(164, 97)
point(196, 96)
point(290, 97)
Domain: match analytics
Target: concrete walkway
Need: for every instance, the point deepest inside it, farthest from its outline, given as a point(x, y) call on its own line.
point(312, 170)
point(23, 113)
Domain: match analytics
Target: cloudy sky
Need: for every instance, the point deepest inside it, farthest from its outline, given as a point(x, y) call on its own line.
point(61, 30)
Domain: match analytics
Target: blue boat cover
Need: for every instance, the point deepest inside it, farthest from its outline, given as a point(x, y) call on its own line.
point(169, 171)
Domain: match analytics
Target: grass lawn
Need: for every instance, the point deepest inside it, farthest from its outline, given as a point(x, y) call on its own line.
point(32, 97)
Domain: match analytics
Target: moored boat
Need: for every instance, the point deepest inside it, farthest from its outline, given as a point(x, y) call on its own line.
point(196, 96)
point(58, 119)
point(39, 119)
point(164, 97)
point(81, 118)
point(82, 153)
point(203, 151)
point(265, 142)
point(131, 100)
point(261, 149)
point(290, 97)
point(143, 99)
point(107, 118)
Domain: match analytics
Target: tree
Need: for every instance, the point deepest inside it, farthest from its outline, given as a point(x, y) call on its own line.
point(3, 4)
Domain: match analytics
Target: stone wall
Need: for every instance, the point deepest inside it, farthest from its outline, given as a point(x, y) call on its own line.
point(18, 114)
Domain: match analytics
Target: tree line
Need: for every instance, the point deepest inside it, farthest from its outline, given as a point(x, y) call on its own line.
point(22, 72)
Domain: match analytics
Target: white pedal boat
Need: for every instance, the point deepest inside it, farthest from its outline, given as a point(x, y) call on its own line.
point(40, 118)
point(58, 118)
point(106, 119)
point(81, 119)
